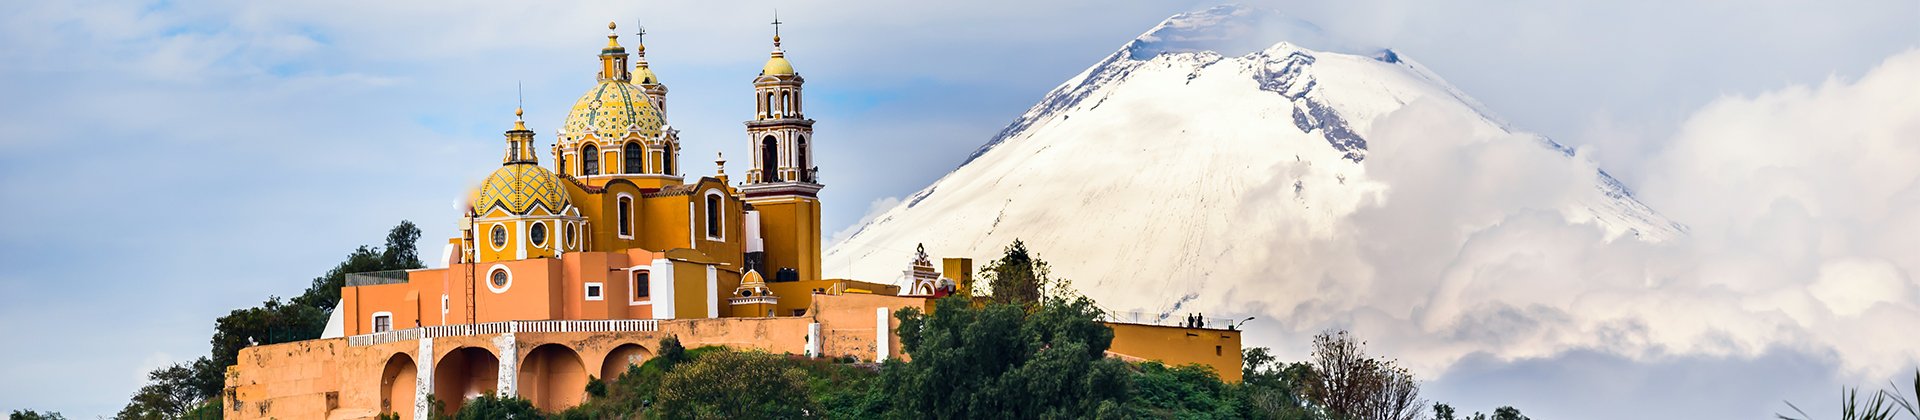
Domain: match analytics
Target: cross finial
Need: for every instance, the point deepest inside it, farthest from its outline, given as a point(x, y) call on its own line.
point(641, 36)
point(776, 27)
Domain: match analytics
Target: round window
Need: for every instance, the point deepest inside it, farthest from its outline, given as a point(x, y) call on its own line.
point(537, 233)
point(569, 234)
point(499, 235)
point(499, 278)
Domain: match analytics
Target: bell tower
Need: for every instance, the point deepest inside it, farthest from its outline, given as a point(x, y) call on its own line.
point(783, 185)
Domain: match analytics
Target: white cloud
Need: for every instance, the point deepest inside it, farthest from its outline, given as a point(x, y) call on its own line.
point(1804, 208)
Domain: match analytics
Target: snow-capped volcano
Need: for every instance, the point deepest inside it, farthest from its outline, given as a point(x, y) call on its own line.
point(1145, 177)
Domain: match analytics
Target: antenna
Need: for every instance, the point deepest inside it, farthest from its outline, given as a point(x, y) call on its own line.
point(520, 94)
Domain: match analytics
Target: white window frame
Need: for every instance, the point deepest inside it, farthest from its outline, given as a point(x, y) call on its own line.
point(589, 288)
point(373, 323)
point(501, 245)
point(489, 279)
point(543, 226)
point(722, 212)
point(627, 227)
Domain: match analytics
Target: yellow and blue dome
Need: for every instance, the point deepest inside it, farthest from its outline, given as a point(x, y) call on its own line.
point(609, 110)
point(520, 188)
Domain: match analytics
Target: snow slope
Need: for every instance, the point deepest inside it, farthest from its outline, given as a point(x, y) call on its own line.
point(1138, 177)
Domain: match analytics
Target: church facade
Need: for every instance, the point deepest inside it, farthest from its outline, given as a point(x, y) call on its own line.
point(569, 272)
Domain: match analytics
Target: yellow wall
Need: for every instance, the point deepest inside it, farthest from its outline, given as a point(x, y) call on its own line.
point(1218, 349)
point(791, 228)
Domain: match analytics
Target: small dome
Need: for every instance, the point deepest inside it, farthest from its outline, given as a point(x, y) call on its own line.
point(519, 188)
point(644, 75)
point(778, 65)
point(607, 110)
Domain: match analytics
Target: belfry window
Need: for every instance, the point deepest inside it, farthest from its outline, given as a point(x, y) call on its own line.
point(769, 159)
point(622, 210)
point(632, 157)
point(800, 159)
point(590, 160)
point(714, 220)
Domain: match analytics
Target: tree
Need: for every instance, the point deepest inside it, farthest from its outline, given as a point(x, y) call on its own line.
point(1442, 411)
point(274, 321)
point(734, 385)
point(32, 415)
point(1002, 360)
point(168, 394)
point(1017, 277)
point(493, 407)
point(1883, 405)
point(1352, 385)
point(1508, 413)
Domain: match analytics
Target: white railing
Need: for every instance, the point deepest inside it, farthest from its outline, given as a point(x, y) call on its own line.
point(502, 327)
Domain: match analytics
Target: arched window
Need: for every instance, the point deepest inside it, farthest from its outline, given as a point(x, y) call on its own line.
point(623, 209)
point(800, 159)
point(666, 160)
point(769, 159)
point(786, 104)
point(715, 204)
point(631, 156)
point(589, 160)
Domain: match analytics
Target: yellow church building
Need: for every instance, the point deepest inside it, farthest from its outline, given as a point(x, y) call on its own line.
point(564, 274)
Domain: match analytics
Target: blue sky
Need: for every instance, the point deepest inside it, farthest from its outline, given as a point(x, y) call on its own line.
point(165, 162)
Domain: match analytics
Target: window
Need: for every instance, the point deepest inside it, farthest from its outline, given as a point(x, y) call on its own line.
point(632, 157)
point(590, 160)
point(769, 159)
point(666, 160)
point(800, 160)
point(593, 292)
point(1216, 350)
point(622, 209)
point(382, 322)
point(714, 219)
point(499, 279)
point(538, 234)
point(569, 234)
point(641, 285)
point(499, 236)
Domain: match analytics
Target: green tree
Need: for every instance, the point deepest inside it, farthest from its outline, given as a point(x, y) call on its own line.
point(1508, 413)
point(1442, 411)
point(492, 407)
point(1883, 405)
point(33, 415)
point(168, 394)
point(274, 321)
point(1002, 360)
point(1020, 277)
point(734, 385)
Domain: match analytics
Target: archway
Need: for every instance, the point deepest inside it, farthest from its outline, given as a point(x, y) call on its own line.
point(465, 373)
point(553, 378)
point(397, 385)
point(622, 356)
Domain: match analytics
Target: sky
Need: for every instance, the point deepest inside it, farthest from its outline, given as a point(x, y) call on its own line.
point(231, 150)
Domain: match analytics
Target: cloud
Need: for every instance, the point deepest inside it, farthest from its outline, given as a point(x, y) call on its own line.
point(1803, 205)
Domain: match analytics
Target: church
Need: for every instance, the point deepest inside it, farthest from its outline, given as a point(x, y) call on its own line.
point(568, 273)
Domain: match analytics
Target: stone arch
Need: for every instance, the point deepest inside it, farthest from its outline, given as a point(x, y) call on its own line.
point(397, 383)
point(553, 377)
point(620, 357)
point(465, 373)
